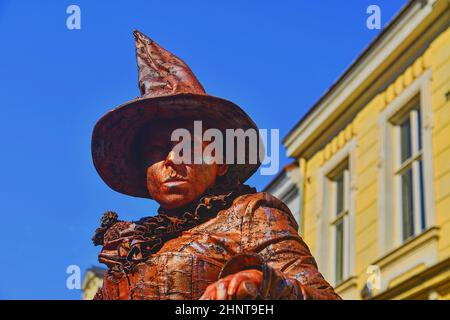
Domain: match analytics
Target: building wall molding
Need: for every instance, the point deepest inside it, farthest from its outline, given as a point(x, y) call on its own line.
point(420, 285)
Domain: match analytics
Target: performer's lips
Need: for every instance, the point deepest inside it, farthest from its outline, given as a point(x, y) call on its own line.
point(174, 181)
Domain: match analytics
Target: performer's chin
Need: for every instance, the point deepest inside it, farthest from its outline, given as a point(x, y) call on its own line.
point(176, 195)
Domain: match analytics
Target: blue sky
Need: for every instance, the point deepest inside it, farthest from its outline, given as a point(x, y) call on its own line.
point(273, 58)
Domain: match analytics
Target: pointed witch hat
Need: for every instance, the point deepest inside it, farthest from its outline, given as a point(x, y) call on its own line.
point(169, 90)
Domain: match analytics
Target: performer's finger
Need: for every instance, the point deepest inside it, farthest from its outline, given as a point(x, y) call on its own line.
point(210, 293)
point(234, 284)
point(221, 290)
point(247, 291)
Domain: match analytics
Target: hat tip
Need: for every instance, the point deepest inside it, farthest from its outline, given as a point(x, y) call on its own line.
point(138, 35)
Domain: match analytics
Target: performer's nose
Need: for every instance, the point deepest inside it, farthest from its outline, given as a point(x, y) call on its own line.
point(174, 165)
point(173, 159)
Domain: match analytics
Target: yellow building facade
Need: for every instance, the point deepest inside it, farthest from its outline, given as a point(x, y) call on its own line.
point(92, 282)
point(374, 162)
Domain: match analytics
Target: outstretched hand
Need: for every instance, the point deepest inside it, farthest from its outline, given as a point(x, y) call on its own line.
point(241, 285)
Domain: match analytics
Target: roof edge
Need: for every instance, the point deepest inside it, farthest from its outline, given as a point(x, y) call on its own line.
point(356, 65)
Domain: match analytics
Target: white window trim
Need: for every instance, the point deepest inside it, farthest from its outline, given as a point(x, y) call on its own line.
point(390, 236)
point(325, 239)
point(412, 164)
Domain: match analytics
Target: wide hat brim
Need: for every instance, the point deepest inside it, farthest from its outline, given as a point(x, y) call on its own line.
point(113, 140)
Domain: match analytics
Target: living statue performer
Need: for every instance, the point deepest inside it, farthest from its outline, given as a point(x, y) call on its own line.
point(213, 237)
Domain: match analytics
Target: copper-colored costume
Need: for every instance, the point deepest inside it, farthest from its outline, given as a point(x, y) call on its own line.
point(256, 230)
point(230, 228)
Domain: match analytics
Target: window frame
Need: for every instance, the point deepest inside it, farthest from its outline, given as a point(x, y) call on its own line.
point(342, 216)
point(325, 232)
point(390, 215)
point(411, 112)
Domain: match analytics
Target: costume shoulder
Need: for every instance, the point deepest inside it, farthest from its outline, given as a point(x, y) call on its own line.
point(110, 228)
point(251, 205)
point(115, 237)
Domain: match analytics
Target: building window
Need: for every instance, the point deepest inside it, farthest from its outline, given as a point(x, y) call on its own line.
point(406, 181)
point(339, 214)
point(408, 169)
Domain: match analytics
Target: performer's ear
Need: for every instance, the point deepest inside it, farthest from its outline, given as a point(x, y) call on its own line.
point(222, 169)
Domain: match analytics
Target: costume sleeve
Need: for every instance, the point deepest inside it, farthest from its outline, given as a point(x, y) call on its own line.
point(98, 295)
point(270, 243)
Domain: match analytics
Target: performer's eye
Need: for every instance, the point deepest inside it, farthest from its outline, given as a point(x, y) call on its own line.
point(160, 152)
point(154, 154)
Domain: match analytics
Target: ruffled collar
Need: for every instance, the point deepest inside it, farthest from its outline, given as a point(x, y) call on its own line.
point(150, 233)
point(168, 224)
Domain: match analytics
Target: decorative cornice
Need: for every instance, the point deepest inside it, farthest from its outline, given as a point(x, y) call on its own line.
point(413, 72)
point(337, 143)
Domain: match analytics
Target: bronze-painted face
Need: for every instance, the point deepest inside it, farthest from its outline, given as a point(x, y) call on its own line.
point(174, 185)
